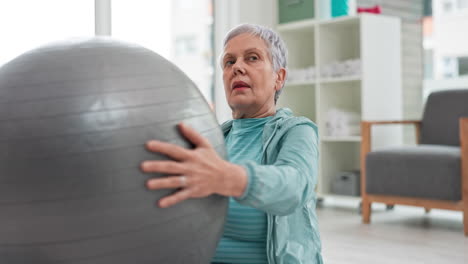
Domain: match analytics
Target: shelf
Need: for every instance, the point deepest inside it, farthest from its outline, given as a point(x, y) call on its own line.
point(341, 21)
point(341, 79)
point(310, 23)
point(304, 83)
point(374, 91)
point(307, 24)
point(342, 139)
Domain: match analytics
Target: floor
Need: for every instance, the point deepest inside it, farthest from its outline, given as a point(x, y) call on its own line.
point(402, 235)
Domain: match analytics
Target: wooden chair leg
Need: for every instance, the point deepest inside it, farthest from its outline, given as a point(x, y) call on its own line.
point(464, 170)
point(465, 220)
point(366, 211)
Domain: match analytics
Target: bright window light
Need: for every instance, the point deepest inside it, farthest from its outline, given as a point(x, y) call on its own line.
point(145, 22)
point(179, 30)
point(26, 24)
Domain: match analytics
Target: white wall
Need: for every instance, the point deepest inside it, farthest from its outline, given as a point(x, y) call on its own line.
point(228, 14)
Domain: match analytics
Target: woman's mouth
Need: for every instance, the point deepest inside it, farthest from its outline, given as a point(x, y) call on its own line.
point(239, 85)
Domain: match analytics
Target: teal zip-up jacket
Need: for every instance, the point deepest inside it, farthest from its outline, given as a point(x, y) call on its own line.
point(283, 186)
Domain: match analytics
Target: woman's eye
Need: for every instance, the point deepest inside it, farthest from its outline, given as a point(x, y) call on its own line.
point(253, 58)
point(229, 62)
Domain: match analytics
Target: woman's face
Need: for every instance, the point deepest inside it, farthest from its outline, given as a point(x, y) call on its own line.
point(250, 82)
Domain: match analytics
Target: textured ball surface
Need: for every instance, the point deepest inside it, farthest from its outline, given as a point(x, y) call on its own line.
point(74, 118)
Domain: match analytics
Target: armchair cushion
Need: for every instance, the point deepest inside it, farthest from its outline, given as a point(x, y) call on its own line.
point(423, 171)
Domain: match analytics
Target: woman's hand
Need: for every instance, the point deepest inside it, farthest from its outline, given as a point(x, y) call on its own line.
point(199, 172)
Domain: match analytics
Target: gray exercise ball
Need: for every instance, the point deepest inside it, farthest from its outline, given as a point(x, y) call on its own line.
point(74, 118)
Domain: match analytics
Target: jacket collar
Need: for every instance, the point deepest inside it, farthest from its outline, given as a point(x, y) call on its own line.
point(278, 118)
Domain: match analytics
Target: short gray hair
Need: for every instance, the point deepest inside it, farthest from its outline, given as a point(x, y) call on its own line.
point(276, 46)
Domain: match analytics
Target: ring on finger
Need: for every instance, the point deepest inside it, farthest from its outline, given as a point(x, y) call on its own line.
point(183, 181)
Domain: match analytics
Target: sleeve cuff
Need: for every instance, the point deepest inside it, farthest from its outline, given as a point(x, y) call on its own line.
point(250, 182)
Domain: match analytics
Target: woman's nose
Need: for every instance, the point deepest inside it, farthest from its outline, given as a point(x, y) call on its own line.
point(238, 67)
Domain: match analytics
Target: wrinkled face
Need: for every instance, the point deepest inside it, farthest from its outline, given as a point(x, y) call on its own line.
point(250, 82)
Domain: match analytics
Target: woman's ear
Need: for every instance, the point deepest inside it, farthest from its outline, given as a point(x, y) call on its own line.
point(280, 79)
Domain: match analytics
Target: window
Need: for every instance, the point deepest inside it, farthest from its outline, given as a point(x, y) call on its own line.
point(450, 67)
point(183, 4)
point(26, 24)
point(428, 64)
point(448, 6)
point(144, 22)
point(462, 4)
point(185, 45)
point(445, 48)
point(462, 65)
point(192, 30)
point(179, 30)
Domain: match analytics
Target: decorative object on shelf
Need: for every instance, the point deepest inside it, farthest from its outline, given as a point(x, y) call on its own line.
point(294, 10)
point(373, 10)
point(343, 8)
point(301, 75)
point(341, 69)
point(347, 183)
point(340, 123)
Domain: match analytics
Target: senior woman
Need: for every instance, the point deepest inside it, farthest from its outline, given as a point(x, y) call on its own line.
point(272, 169)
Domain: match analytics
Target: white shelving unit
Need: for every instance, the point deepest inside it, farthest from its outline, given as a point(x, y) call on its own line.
point(375, 94)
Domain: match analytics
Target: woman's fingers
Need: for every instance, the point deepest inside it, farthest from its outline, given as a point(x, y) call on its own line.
point(193, 136)
point(162, 166)
point(167, 183)
point(187, 162)
point(176, 198)
point(168, 149)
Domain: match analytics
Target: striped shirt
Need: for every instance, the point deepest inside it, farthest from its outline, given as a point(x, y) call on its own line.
point(244, 238)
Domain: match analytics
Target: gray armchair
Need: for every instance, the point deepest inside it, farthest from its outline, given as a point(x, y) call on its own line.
point(432, 174)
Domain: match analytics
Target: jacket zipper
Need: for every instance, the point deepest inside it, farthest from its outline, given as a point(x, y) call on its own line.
point(270, 218)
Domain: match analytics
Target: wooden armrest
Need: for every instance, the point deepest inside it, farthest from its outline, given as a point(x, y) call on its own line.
point(464, 129)
point(366, 126)
point(464, 160)
point(415, 122)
